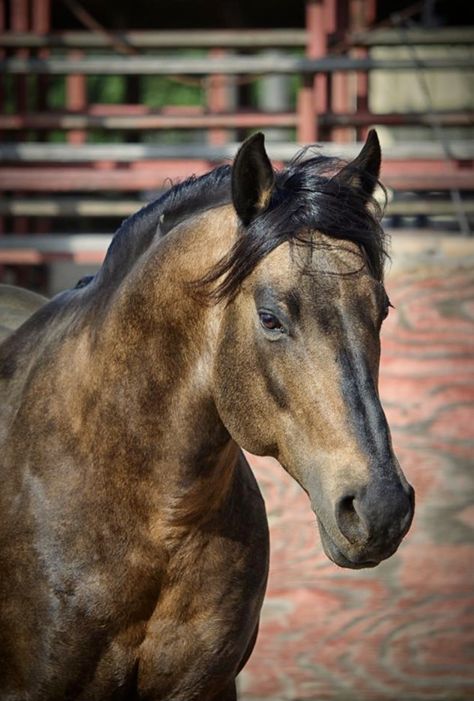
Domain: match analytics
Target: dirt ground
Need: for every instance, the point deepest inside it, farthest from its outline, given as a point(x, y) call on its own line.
point(400, 631)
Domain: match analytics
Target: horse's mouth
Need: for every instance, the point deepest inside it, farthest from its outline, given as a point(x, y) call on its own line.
point(336, 556)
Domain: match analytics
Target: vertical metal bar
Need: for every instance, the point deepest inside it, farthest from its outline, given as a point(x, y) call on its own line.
point(41, 25)
point(330, 19)
point(19, 21)
point(217, 100)
point(40, 21)
point(341, 103)
point(363, 15)
point(311, 94)
point(330, 16)
point(76, 98)
point(315, 24)
point(307, 129)
point(341, 83)
point(41, 12)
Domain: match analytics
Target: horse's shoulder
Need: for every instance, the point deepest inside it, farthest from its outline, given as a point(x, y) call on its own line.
point(16, 306)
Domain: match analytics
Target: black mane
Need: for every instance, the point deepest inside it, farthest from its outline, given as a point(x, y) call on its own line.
point(307, 196)
point(136, 233)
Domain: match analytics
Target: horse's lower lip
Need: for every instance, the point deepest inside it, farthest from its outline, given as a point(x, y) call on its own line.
point(334, 554)
point(339, 559)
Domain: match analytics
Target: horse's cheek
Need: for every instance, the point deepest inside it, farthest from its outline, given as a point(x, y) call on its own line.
point(240, 397)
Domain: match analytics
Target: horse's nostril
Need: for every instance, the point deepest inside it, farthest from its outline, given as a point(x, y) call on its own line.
point(349, 522)
point(375, 516)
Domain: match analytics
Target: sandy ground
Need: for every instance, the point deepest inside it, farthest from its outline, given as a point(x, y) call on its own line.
point(401, 631)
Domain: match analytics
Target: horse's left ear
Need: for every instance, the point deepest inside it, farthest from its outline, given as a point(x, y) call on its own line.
point(252, 179)
point(362, 173)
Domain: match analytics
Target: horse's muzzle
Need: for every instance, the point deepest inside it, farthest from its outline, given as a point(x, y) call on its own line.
point(371, 526)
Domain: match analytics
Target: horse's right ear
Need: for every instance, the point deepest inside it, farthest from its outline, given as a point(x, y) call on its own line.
point(252, 179)
point(362, 173)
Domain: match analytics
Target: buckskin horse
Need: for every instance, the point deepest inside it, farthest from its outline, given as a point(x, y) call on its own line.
point(242, 309)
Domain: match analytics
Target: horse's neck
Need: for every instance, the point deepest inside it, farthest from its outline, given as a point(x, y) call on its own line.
point(149, 383)
point(123, 379)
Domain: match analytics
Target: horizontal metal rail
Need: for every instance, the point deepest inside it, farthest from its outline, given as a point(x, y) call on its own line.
point(228, 65)
point(416, 175)
point(120, 208)
point(462, 150)
point(429, 207)
point(68, 207)
point(90, 179)
point(459, 118)
point(50, 120)
point(418, 36)
point(243, 120)
point(249, 38)
point(34, 249)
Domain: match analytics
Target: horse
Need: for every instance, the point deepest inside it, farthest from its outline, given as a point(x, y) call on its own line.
point(240, 310)
point(16, 305)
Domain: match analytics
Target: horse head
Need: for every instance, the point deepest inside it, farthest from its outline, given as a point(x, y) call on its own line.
point(296, 371)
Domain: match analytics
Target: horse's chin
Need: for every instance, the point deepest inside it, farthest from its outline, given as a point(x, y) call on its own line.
point(336, 556)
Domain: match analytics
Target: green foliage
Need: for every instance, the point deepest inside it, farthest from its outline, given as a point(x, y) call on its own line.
point(57, 93)
point(158, 91)
point(106, 89)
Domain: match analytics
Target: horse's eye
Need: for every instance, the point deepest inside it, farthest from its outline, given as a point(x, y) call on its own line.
point(270, 321)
